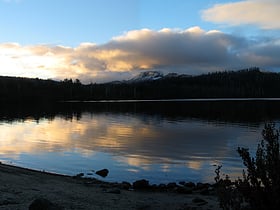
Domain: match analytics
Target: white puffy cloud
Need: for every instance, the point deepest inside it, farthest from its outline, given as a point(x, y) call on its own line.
point(190, 51)
point(263, 13)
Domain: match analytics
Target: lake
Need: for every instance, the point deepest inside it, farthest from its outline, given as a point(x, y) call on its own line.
point(162, 141)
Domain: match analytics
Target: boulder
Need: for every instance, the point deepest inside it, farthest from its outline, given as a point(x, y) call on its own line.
point(171, 185)
point(182, 182)
point(162, 187)
point(125, 185)
point(103, 172)
point(189, 184)
point(141, 184)
point(202, 186)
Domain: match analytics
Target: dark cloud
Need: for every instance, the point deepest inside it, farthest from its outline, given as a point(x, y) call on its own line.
point(190, 51)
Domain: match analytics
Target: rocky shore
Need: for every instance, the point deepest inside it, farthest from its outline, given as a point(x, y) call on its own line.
point(28, 189)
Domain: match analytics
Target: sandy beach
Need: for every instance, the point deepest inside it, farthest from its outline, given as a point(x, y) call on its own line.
point(21, 187)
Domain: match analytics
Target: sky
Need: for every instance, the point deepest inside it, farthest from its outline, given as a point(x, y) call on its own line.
point(104, 40)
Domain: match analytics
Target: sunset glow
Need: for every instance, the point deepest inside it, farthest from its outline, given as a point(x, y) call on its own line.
point(193, 38)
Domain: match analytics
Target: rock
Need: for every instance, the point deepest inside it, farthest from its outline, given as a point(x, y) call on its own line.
point(141, 184)
point(126, 185)
point(154, 187)
point(171, 185)
point(182, 182)
point(199, 186)
point(202, 186)
point(43, 204)
point(162, 187)
point(103, 172)
point(190, 184)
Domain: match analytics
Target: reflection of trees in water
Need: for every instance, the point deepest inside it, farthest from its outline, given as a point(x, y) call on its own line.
point(242, 112)
point(139, 134)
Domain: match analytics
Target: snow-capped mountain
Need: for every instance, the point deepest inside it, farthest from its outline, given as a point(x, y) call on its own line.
point(147, 76)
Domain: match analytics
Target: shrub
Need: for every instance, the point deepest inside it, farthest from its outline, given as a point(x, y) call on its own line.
point(260, 186)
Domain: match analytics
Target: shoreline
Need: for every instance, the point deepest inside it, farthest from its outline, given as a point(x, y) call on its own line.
point(173, 100)
point(20, 187)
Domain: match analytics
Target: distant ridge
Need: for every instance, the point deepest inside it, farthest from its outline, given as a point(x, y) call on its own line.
point(246, 83)
point(147, 76)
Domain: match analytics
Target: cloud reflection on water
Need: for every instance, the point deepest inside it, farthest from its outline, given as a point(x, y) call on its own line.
point(154, 140)
point(133, 142)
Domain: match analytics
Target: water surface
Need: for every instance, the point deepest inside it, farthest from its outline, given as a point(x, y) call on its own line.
point(161, 141)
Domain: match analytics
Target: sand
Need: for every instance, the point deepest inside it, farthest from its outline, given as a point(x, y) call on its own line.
point(19, 187)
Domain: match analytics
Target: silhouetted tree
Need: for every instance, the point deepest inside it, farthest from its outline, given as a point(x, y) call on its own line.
point(228, 84)
point(260, 186)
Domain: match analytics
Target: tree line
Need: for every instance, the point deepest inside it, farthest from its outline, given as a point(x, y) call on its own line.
point(245, 83)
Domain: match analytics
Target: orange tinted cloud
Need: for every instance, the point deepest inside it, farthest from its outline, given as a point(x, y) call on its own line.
point(189, 51)
point(263, 13)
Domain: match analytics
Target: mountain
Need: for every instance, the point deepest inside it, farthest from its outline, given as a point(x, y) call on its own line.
point(146, 76)
point(246, 83)
point(149, 76)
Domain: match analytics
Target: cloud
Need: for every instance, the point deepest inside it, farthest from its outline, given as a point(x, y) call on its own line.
point(189, 51)
point(262, 13)
point(262, 54)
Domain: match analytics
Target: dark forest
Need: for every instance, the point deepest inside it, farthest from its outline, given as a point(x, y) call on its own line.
point(247, 83)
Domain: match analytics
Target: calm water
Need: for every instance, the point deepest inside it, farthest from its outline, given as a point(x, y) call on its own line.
point(158, 141)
